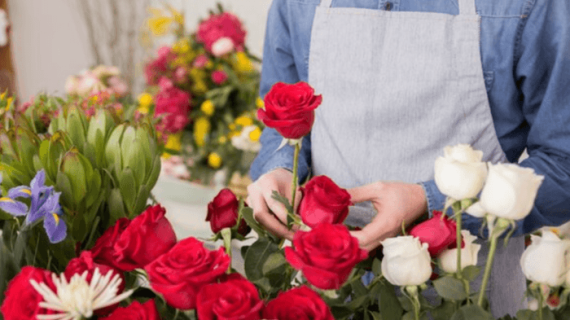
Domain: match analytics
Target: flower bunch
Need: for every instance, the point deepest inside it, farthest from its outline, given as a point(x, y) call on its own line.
point(96, 80)
point(202, 92)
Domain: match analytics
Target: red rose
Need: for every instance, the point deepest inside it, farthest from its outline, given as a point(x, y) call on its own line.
point(103, 251)
point(180, 274)
point(219, 77)
point(439, 233)
point(217, 26)
point(223, 213)
point(136, 311)
point(299, 303)
point(326, 255)
point(146, 238)
point(172, 105)
point(234, 299)
point(290, 109)
point(85, 263)
point(21, 299)
point(323, 202)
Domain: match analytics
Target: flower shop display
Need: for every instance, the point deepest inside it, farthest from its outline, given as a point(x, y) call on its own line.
point(202, 92)
point(133, 266)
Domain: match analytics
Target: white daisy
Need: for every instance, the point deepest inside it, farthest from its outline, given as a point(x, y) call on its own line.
point(78, 299)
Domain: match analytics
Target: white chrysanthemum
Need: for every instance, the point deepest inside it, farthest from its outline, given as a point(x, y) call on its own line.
point(78, 299)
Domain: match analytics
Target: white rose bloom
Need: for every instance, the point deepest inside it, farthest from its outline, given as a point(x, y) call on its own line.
point(545, 260)
point(243, 142)
point(460, 173)
point(476, 210)
point(406, 261)
point(510, 191)
point(448, 258)
point(222, 46)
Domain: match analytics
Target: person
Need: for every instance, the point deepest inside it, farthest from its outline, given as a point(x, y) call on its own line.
point(402, 79)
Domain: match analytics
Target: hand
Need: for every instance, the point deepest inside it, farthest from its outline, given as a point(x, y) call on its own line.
point(395, 203)
point(269, 212)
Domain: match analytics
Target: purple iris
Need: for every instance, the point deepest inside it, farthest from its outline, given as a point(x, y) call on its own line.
point(44, 204)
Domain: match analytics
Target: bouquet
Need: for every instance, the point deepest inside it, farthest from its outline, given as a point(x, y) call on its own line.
point(202, 92)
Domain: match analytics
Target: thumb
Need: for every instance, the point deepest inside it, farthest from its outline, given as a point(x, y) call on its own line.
point(363, 193)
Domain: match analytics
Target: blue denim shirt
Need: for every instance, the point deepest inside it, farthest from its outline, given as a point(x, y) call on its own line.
point(525, 52)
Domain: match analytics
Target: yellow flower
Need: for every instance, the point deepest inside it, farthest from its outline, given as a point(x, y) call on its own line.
point(232, 126)
point(222, 140)
point(182, 46)
point(174, 142)
point(143, 109)
point(200, 87)
point(208, 107)
point(259, 103)
point(255, 134)
point(244, 121)
point(9, 103)
point(201, 129)
point(145, 99)
point(214, 160)
point(243, 63)
point(3, 95)
point(159, 25)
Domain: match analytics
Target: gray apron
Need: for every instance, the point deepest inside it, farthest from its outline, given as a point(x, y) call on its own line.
point(397, 88)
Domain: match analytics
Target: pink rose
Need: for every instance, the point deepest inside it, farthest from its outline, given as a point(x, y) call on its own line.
point(158, 68)
point(201, 61)
point(180, 75)
point(222, 46)
point(224, 25)
point(219, 77)
point(173, 106)
point(118, 86)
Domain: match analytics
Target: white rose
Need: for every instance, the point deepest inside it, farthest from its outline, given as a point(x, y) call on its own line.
point(406, 261)
point(222, 46)
point(460, 173)
point(243, 142)
point(448, 258)
point(544, 261)
point(510, 191)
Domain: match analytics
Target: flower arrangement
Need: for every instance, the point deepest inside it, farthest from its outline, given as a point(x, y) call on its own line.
point(202, 92)
point(96, 80)
point(137, 268)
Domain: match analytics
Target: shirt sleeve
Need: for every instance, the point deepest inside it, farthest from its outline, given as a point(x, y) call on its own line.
point(542, 74)
point(278, 66)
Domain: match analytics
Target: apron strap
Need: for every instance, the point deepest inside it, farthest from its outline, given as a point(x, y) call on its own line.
point(326, 3)
point(467, 7)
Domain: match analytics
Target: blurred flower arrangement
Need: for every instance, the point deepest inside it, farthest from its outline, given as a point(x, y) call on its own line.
point(97, 80)
point(203, 93)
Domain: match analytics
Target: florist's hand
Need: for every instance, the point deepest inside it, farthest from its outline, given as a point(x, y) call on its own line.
point(267, 211)
point(395, 203)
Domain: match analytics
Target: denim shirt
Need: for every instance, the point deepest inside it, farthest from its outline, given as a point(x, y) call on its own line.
point(525, 52)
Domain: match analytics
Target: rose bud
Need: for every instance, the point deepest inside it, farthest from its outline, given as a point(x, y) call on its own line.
point(298, 303)
point(223, 213)
point(323, 202)
point(290, 109)
point(438, 232)
point(406, 261)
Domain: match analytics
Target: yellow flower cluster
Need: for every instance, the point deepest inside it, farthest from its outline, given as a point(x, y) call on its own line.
point(184, 53)
point(214, 160)
point(159, 23)
point(199, 80)
point(145, 101)
point(208, 108)
point(202, 127)
point(242, 63)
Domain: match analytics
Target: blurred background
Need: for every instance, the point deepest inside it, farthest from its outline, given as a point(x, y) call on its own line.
point(53, 39)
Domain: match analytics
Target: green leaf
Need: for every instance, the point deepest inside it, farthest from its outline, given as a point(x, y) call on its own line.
point(375, 315)
point(243, 251)
point(450, 288)
point(377, 267)
point(63, 185)
point(247, 214)
point(283, 200)
point(79, 228)
point(275, 264)
point(128, 188)
point(94, 188)
point(154, 173)
point(113, 148)
point(142, 200)
point(116, 206)
point(444, 311)
point(471, 312)
point(470, 272)
point(8, 269)
point(72, 166)
point(390, 306)
point(358, 302)
point(20, 248)
point(76, 129)
point(256, 257)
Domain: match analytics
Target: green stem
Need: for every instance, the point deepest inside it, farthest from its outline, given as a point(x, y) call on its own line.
point(458, 242)
point(227, 237)
point(540, 302)
point(467, 290)
point(488, 268)
point(295, 178)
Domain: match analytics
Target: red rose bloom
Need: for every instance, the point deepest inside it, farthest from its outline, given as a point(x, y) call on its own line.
point(85, 263)
point(136, 311)
point(223, 213)
point(323, 202)
point(21, 299)
point(172, 105)
point(146, 238)
point(103, 251)
point(217, 26)
point(326, 255)
point(438, 232)
point(299, 303)
point(219, 77)
point(180, 274)
point(290, 109)
point(235, 299)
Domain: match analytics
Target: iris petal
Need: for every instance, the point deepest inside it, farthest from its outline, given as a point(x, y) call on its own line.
point(15, 208)
point(20, 192)
point(55, 227)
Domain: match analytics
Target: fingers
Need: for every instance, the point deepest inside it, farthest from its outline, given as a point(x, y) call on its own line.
point(364, 193)
point(257, 201)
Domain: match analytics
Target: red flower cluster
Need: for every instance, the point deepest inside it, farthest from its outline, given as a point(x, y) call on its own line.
point(224, 25)
point(439, 233)
point(172, 106)
point(159, 67)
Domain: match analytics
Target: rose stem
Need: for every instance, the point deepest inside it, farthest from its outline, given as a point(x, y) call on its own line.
point(540, 302)
point(457, 213)
point(227, 237)
point(488, 267)
point(295, 178)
